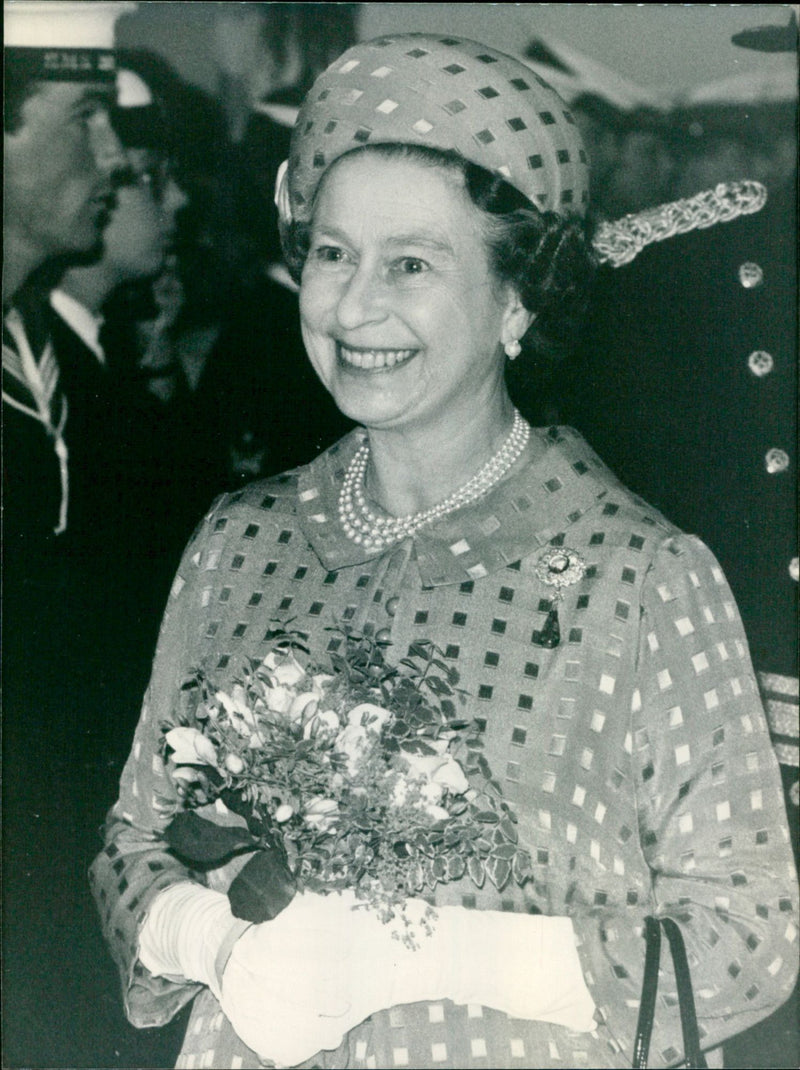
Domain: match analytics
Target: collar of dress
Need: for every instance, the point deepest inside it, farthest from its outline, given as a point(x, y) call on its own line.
point(538, 501)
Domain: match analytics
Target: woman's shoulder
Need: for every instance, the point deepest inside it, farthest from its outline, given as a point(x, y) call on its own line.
point(623, 522)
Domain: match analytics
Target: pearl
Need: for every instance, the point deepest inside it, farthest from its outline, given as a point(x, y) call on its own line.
point(361, 525)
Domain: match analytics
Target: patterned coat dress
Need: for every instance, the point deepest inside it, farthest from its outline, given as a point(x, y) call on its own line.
point(635, 752)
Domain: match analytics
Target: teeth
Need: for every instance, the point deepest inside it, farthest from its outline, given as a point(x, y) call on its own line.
point(375, 358)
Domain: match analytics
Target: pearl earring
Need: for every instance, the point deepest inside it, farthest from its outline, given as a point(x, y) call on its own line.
point(513, 349)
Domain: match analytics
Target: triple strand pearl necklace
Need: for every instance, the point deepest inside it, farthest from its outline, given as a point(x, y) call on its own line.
point(379, 532)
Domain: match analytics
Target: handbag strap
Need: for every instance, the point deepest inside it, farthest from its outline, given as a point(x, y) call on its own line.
point(693, 1056)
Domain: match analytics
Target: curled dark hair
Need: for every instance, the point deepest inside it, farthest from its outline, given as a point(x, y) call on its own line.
point(545, 257)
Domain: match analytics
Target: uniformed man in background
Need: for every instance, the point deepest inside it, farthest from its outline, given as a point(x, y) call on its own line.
point(686, 385)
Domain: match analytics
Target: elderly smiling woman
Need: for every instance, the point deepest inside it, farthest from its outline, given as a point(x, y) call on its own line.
point(431, 211)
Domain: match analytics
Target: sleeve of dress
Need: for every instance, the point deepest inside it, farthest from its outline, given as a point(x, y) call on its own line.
point(135, 864)
point(712, 824)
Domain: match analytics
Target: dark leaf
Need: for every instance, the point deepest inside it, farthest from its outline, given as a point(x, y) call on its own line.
point(420, 649)
point(197, 840)
point(263, 888)
point(509, 829)
point(489, 817)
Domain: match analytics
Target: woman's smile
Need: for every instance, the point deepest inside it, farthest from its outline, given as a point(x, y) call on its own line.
point(372, 360)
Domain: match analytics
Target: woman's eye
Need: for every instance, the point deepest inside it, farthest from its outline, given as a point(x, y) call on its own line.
point(329, 254)
point(410, 265)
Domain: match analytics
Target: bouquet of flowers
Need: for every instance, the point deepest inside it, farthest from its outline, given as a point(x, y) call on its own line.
point(359, 775)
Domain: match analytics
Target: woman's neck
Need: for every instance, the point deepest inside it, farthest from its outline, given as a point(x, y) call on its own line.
point(410, 471)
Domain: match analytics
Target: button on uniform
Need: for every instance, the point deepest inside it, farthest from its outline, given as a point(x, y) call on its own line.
point(776, 461)
point(760, 363)
point(751, 274)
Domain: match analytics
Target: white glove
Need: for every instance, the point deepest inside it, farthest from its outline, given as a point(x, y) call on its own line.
point(525, 965)
point(188, 934)
point(297, 984)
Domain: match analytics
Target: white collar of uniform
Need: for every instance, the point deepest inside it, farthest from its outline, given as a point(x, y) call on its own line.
point(83, 322)
point(283, 114)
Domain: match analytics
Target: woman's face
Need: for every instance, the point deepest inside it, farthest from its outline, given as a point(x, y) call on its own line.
point(400, 314)
point(142, 225)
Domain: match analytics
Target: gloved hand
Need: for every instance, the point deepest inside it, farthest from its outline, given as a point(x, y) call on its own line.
point(297, 984)
point(525, 965)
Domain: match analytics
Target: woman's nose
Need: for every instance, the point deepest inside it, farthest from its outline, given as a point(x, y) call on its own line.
point(362, 299)
point(106, 147)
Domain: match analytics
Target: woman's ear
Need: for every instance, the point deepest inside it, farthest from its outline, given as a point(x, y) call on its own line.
point(516, 319)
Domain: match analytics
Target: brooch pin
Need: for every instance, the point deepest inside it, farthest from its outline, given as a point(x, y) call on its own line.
point(558, 567)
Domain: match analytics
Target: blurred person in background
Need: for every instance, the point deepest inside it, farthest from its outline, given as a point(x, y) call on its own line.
point(128, 425)
point(631, 156)
point(253, 375)
point(62, 156)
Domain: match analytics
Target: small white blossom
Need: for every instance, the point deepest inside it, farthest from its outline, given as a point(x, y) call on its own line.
point(303, 707)
point(191, 747)
point(321, 813)
point(370, 716)
point(322, 723)
point(279, 699)
point(353, 742)
point(234, 764)
point(285, 669)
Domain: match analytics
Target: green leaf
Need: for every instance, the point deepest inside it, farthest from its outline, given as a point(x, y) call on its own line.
point(197, 840)
point(420, 649)
point(509, 829)
point(455, 867)
point(505, 850)
point(263, 888)
point(476, 870)
point(498, 870)
point(521, 867)
point(488, 817)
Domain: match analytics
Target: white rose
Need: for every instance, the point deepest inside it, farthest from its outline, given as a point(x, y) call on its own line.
point(451, 776)
point(235, 705)
point(279, 699)
point(322, 723)
point(319, 683)
point(353, 742)
point(285, 668)
point(303, 707)
point(191, 747)
point(369, 715)
point(321, 813)
point(438, 772)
